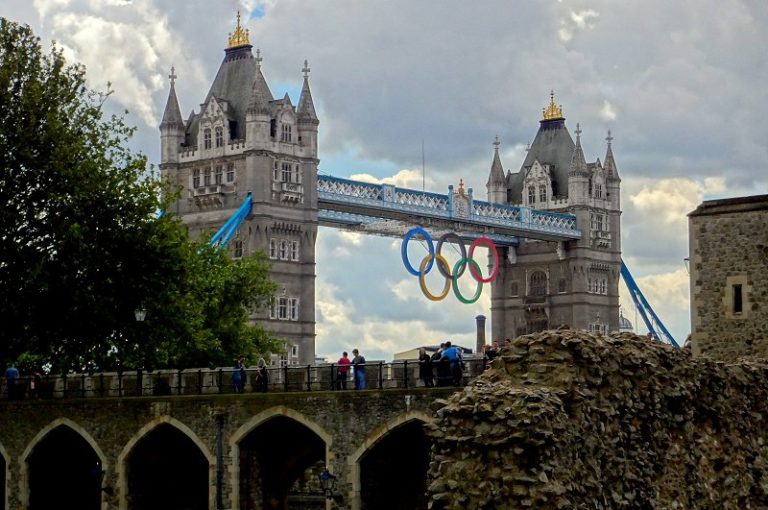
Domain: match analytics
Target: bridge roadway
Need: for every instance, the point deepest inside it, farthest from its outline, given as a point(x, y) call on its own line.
point(216, 450)
point(387, 210)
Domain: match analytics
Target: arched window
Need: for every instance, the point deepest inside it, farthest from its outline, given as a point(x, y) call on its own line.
point(542, 193)
point(531, 194)
point(538, 284)
point(207, 138)
point(196, 178)
point(219, 136)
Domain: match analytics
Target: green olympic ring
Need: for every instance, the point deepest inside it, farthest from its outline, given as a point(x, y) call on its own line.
point(451, 277)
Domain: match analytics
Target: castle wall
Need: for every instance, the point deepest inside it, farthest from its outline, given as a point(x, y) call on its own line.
point(729, 277)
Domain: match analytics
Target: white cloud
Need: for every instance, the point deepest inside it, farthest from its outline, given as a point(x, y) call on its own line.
point(585, 18)
point(670, 200)
point(607, 112)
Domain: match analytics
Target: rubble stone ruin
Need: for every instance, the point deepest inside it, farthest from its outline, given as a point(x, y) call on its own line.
point(570, 420)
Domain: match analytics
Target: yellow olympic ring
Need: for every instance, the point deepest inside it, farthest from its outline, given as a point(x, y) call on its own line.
point(423, 284)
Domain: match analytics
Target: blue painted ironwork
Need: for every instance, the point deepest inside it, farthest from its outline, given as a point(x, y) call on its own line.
point(385, 201)
point(227, 231)
point(651, 320)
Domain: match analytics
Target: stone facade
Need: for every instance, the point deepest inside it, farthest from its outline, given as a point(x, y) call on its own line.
point(729, 277)
point(245, 141)
point(571, 420)
point(347, 425)
point(546, 284)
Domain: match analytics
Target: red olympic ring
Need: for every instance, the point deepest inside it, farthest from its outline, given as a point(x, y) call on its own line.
point(451, 277)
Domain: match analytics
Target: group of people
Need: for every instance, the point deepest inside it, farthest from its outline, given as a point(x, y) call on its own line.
point(240, 376)
point(15, 388)
point(357, 364)
point(446, 365)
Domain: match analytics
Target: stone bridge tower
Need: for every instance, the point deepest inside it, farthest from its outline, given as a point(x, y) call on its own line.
point(244, 140)
point(545, 284)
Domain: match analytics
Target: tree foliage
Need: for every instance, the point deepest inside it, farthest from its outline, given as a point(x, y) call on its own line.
point(81, 246)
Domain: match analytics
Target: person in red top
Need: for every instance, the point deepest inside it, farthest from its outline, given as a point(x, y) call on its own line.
point(342, 371)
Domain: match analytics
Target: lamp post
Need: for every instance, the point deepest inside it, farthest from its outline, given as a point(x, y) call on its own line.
point(328, 483)
point(140, 314)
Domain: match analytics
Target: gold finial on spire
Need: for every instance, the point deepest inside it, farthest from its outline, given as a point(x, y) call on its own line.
point(552, 111)
point(461, 187)
point(239, 37)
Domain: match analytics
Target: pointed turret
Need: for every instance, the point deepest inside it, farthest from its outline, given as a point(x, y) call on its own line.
point(610, 164)
point(578, 174)
point(172, 126)
point(307, 118)
point(306, 109)
point(497, 184)
point(613, 182)
point(578, 162)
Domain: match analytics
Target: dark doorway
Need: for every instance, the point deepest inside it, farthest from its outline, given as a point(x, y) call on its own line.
point(167, 470)
point(4, 475)
point(278, 460)
point(64, 472)
point(393, 473)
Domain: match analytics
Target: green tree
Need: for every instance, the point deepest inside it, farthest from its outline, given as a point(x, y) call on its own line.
point(81, 246)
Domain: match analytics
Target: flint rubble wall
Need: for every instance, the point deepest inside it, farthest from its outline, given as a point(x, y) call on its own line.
point(570, 420)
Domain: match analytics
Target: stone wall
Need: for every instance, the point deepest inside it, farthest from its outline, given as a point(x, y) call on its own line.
point(729, 253)
point(568, 420)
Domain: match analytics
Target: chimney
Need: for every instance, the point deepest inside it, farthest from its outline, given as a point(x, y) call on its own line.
point(480, 320)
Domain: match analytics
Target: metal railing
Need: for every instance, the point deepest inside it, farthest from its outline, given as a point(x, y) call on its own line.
point(293, 378)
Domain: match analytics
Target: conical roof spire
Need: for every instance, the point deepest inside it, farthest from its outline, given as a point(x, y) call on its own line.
point(306, 109)
point(578, 162)
point(172, 113)
point(610, 163)
point(496, 176)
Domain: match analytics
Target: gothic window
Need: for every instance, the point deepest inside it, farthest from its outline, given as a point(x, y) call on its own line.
point(542, 193)
point(207, 177)
point(603, 286)
point(283, 250)
point(598, 222)
point(272, 248)
point(293, 309)
point(531, 194)
point(275, 171)
point(282, 308)
point(207, 138)
point(561, 285)
point(286, 172)
point(196, 178)
point(295, 251)
point(285, 136)
point(273, 128)
point(219, 174)
point(238, 249)
point(231, 172)
point(219, 136)
point(590, 186)
point(538, 284)
point(598, 191)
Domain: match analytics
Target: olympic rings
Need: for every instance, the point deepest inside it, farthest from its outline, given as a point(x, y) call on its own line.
point(451, 276)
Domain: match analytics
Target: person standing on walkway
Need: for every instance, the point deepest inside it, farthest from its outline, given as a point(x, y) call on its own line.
point(358, 363)
point(425, 368)
point(452, 355)
point(342, 371)
point(11, 376)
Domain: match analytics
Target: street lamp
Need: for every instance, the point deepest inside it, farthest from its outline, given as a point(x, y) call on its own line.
point(140, 313)
point(328, 483)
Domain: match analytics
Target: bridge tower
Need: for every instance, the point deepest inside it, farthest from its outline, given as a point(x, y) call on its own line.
point(244, 140)
point(548, 284)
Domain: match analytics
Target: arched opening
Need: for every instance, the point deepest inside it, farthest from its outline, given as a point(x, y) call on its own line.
point(393, 472)
point(166, 469)
point(64, 472)
point(279, 463)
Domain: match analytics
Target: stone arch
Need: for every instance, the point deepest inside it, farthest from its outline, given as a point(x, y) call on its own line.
point(370, 442)
point(254, 422)
point(122, 482)
point(24, 489)
point(6, 478)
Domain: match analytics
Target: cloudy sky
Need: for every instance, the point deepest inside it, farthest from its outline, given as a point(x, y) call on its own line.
point(681, 86)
